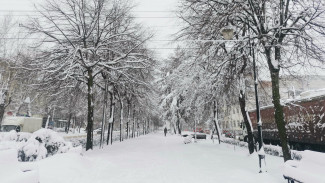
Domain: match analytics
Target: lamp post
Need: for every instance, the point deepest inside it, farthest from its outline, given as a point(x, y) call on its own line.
point(228, 33)
point(261, 153)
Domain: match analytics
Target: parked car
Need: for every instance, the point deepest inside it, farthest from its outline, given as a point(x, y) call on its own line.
point(200, 136)
point(228, 134)
point(98, 131)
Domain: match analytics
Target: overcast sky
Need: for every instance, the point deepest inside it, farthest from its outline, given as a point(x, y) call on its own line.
point(156, 15)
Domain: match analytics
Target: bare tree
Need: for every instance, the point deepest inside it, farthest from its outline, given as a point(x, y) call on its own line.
point(283, 32)
point(79, 38)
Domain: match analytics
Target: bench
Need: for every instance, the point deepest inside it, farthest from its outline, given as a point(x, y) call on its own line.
point(310, 169)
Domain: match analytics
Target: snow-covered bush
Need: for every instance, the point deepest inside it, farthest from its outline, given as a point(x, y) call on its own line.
point(234, 142)
point(82, 140)
point(60, 129)
point(273, 150)
point(23, 136)
point(187, 139)
point(14, 136)
point(41, 144)
point(10, 136)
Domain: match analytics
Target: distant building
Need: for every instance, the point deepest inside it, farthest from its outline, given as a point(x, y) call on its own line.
point(290, 87)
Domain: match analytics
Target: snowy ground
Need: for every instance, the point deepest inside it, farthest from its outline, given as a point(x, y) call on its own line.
point(157, 159)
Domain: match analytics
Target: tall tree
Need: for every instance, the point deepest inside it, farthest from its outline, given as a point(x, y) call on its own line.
point(279, 30)
point(82, 35)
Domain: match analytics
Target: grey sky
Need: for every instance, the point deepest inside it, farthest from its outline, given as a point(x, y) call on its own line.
point(157, 16)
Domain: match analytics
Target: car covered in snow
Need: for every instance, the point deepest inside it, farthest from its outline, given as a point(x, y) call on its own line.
point(198, 135)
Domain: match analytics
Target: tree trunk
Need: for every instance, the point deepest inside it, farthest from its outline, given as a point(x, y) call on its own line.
point(69, 122)
point(112, 126)
point(133, 127)
point(278, 114)
point(112, 129)
point(178, 119)
point(279, 117)
point(250, 140)
point(178, 125)
point(127, 130)
point(2, 112)
point(128, 120)
point(102, 134)
point(3, 106)
point(108, 133)
point(148, 126)
point(215, 118)
point(111, 118)
point(121, 119)
point(90, 83)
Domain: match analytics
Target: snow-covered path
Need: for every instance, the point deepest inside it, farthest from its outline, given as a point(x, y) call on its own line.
point(158, 159)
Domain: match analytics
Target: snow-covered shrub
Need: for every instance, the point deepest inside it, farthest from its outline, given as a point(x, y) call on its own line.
point(10, 136)
point(60, 129)
point(32, 150)
point(273, 150)
point(187, 139)
point(82, 140)
point(234, 142)
point(23, 136)
point(14, 136)
point(41, 144)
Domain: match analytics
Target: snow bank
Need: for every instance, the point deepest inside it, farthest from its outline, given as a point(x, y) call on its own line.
point(11, 172)
point(310, 169)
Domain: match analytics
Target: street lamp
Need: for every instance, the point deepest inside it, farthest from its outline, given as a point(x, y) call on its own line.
point(261, 153)
point(228, 33)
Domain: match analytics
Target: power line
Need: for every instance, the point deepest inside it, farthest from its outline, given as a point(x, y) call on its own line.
point(160, 17)
point(135, 11)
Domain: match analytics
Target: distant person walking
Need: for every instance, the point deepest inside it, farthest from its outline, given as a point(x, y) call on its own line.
point(165, 131)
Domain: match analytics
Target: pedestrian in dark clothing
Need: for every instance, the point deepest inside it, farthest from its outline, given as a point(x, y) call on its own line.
point(165, 131)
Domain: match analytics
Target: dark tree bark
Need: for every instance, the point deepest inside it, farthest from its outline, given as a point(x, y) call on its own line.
point(69, 123)
point(178, 119)
point(108, 133)
point(250, 139)
point(3, 106)
point(144, 127)
point(111, 118)
point(90, 83)
point(112, 129)
point(2, 111)
point(214, 120)
point(128, 119)
point(121, 119)
point(148, 126)
point(133, 127)
point(278, 115)
point(102, 134)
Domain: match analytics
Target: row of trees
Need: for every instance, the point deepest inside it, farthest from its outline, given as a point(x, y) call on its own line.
point(281, 35)
point(90, 54)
